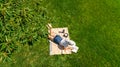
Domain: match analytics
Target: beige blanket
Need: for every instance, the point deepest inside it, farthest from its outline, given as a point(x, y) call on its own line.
point(54, 48)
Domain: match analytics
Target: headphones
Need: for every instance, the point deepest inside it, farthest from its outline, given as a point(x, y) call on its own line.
point(64, 34)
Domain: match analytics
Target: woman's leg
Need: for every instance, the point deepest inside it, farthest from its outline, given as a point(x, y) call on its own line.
point(51, 32)
point(50, 37)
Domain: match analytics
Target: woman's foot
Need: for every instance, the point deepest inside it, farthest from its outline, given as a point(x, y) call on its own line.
point(49, 26)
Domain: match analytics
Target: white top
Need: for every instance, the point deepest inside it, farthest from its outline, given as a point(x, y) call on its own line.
point(64, 42)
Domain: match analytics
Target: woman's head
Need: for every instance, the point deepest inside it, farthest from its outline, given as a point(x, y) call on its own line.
point(75, 49)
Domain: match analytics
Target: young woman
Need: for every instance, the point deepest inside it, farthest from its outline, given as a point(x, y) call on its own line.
point(60, 41)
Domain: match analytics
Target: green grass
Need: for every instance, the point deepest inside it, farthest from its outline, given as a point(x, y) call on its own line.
point(93, 24)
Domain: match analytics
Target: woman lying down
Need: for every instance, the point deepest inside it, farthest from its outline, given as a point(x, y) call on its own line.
point(61, 41)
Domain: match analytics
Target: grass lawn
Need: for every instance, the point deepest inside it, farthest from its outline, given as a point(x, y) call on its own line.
point(93, 24)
